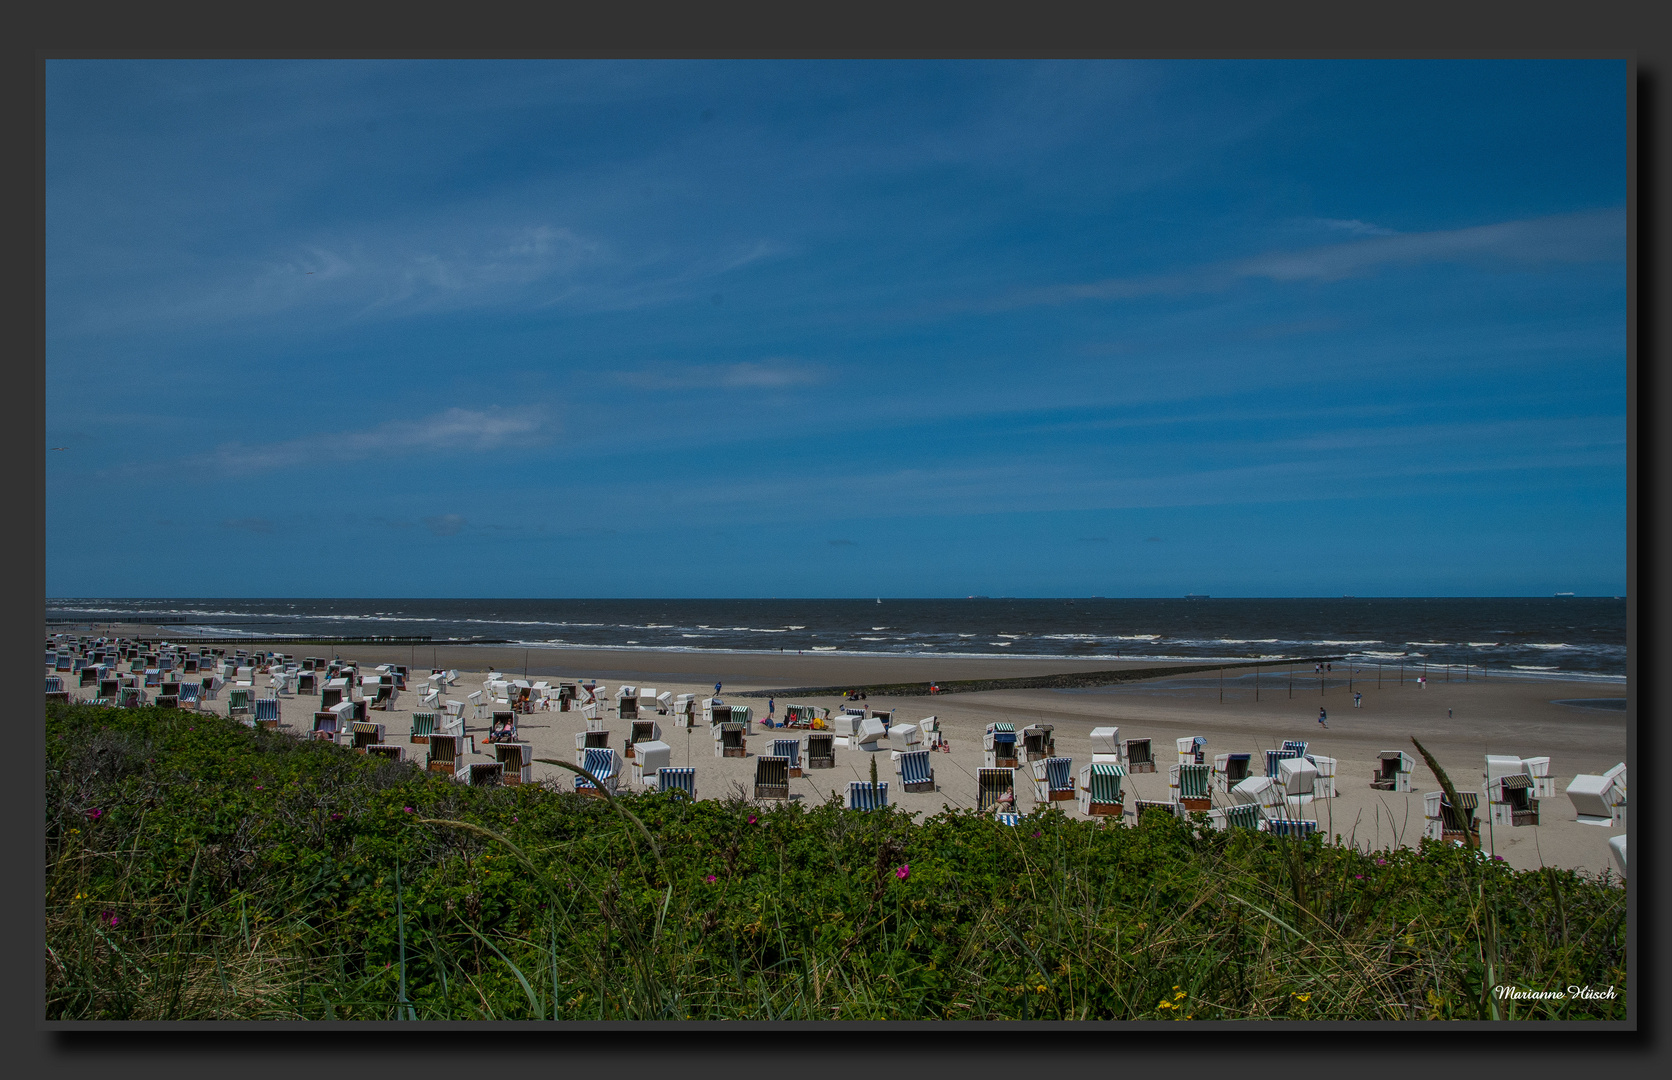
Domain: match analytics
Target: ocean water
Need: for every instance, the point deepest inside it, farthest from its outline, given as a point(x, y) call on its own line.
point(1530, 636)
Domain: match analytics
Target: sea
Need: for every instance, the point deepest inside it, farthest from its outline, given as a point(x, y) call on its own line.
point(1536, 637)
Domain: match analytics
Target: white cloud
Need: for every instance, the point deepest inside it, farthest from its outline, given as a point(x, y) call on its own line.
point(1589, 236)
point(1353, 226)
point(772, 374)
point(455, 430)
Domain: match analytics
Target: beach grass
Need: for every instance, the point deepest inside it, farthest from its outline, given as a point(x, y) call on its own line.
point(199, 869)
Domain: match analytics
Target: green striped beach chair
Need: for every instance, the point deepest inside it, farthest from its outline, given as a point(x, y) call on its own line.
point(423, 726)
point(1100, 790)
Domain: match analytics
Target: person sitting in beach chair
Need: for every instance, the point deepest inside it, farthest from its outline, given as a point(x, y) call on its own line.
point(504, 727)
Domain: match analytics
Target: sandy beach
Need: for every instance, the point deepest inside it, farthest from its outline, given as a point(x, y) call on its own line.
point(1499, 715)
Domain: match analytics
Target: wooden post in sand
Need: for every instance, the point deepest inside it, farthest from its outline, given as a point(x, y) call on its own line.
point(1256, 681)
point(1221, 686)
point(1291, 680)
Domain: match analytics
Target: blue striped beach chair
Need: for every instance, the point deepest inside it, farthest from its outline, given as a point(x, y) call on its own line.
point(1274, 756)
point(916, 775)
point(55, 689)
point(267, 712)
point(789, 748)
point(189, 693)
point(1292, 827)
point(999, 745)
point(600, 762)
point(1297, 745)
point(863, 795)
point(1011, 819)
point(1059, 779)
point(682, 781)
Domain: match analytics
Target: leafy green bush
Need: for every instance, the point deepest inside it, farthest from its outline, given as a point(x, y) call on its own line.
point(197, 868)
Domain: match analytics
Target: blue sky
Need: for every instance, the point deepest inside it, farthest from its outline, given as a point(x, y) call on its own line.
point(835, 328)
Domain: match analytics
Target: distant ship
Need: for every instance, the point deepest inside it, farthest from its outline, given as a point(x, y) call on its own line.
point(1564, 594)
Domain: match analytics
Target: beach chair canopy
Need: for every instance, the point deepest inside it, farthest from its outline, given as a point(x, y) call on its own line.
point(789, 749)
point(1059, 773)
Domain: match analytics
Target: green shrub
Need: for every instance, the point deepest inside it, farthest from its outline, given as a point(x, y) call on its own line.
point(197, 868)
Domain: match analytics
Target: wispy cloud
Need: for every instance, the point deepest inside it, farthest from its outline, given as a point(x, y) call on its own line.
point(1353, 226)
point(455, 430)
point(773, 374)
point(1590, 236)
point(445, 524)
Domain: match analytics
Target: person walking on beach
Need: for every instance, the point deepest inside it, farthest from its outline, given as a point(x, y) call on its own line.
point(1323, 718)
point(1358, 700)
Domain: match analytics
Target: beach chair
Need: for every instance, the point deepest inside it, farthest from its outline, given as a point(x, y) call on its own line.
point(307, 683)
point(423, 726)
point(1053, 779)
point(267, 713)
point(995, 789)
point(238, 702)
point(1192, 750)
point(454, 713)
point(1598, 800)
point(1100, 790)
point(916, 775)
point(1393, 771)
point(1293, 828)
point(1617, 848)
point(1191, 786)
point(1038, 742)
point(930, 727)
point(55, 690)
point(602, 762)
point(1274, 757)
point(685, 711)
point(392, 751)
point(110, 688)
point(1509, 790)
point(1142, 806)
point(1297, 745)
point(1261, 791)
point(517, 760)
point(1010, 818)
point(589, 740)
point(643, 731)
point(731, 740)
point(903, 737)
point(870, 736)
point(366, 734)
point(1236, 816)
point(649, 758)
point(999, 746)
point(772, 777)
point(153, 678)
point(627, 702)
point(1544, 785)
point(1229, 770)
point(1297, 777)
point(791, 749)
point(476, 705)
point(503, 727)
point(1448, 823)
point(864, 795)
point(87, 676)
point(331, 696)
point(443, 754)
point(664, 702)
point(1138, 759)
point(344, 712)
point(681, 781)
point(482, 774)
point(326, 726)
point(190, 692)
point(821, 750)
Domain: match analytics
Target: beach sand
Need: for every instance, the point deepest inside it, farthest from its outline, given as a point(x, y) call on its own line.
point(1500, 715)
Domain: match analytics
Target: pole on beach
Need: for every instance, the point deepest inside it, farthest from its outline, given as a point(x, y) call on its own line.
point(1291, 679)
point(1221, 686)
point(1256, 682)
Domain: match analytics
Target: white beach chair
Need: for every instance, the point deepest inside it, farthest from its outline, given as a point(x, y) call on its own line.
point(1444, 822)
point(1617, 848)
point(1598, 800)
point(649, 758)
point(998, 746)
point(517, 760)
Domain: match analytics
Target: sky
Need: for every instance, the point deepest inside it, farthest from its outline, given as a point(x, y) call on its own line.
point(829, 329)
